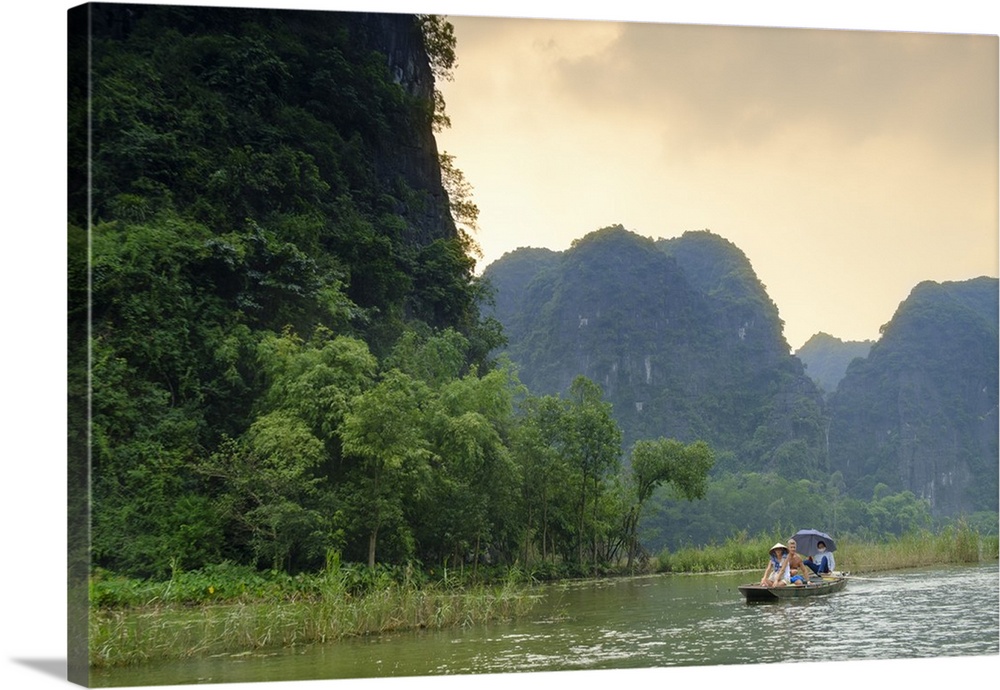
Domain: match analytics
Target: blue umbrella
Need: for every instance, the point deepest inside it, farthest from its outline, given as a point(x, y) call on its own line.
point(806, 540)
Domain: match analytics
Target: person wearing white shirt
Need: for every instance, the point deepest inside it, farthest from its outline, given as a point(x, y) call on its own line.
point(822, 561)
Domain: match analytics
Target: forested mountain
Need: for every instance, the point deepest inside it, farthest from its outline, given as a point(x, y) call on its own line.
point(273, 132)
point(680, 334)
point(267, 219)
point(920, 413)
point(826, 358)
point(277, 356)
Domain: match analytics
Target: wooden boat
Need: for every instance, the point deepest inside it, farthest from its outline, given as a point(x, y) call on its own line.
point(828, 585)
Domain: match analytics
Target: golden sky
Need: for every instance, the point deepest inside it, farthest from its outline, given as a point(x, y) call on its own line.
point(848, 165)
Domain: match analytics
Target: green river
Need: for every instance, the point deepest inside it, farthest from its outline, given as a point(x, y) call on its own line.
point(645, 622)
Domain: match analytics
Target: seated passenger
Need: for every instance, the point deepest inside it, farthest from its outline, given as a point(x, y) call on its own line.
point(796, 566)
point(822, 561)
point(776, 573)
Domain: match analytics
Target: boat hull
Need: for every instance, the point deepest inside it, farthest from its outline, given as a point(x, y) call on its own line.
point(761, 594)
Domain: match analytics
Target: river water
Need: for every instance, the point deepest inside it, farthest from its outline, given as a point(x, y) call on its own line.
point(644, 622)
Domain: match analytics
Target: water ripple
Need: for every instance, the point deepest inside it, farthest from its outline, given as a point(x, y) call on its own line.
point(656, 622)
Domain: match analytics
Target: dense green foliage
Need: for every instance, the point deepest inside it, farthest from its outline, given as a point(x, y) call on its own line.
point(755, 503)
point(256, 242)
point(826, 358)
point(287, 358)
point(281, 144)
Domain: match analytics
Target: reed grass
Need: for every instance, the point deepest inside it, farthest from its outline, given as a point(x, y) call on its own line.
point(955, 544)
point(131, 635)
point(739, 552)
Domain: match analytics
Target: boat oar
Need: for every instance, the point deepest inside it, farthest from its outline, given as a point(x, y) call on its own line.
point(856, 577)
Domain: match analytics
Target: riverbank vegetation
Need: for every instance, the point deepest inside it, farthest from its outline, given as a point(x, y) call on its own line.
point(237, 610)
point(955, 543)
point(233, 610)
point(754, 502)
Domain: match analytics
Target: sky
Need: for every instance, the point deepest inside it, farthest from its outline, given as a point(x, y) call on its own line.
point(670, 161)
point(848, 165)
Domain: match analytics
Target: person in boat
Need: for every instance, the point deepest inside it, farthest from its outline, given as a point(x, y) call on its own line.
point(776, 573)
point(797, 571)
point(822, 561)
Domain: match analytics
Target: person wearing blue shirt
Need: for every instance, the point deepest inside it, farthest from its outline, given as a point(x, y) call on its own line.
point(776, 574)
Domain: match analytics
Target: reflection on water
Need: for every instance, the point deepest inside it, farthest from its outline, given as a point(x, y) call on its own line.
point(654, 622)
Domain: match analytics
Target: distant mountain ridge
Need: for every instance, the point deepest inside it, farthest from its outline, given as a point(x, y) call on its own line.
point(686, 343)
point(826, 358)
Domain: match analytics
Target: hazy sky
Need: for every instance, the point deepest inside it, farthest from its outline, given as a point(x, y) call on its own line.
point(847, 165)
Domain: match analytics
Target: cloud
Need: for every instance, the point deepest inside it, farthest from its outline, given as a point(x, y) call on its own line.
point(739, 87)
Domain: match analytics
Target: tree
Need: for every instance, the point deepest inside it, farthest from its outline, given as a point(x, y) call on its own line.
point(587, 438)
point(384, 431)
point(898, 513)
point(270, 481)
point(665, 461)
point(464, 211)
point(474, 477)
point(315, 380)
point(434, 359)
point(544, 472)
point(439, 42)
point(277, 478)
point(568, 450)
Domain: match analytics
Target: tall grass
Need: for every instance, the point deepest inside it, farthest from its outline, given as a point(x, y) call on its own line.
point(320, 609)
point(739, 552)
point(957, 543)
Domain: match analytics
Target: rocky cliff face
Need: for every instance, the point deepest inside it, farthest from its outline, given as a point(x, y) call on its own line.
point(411, 161)
point(920, 413)
point(329, 65)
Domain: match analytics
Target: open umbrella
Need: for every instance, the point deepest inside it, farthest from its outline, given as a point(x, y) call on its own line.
point(806, 540)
